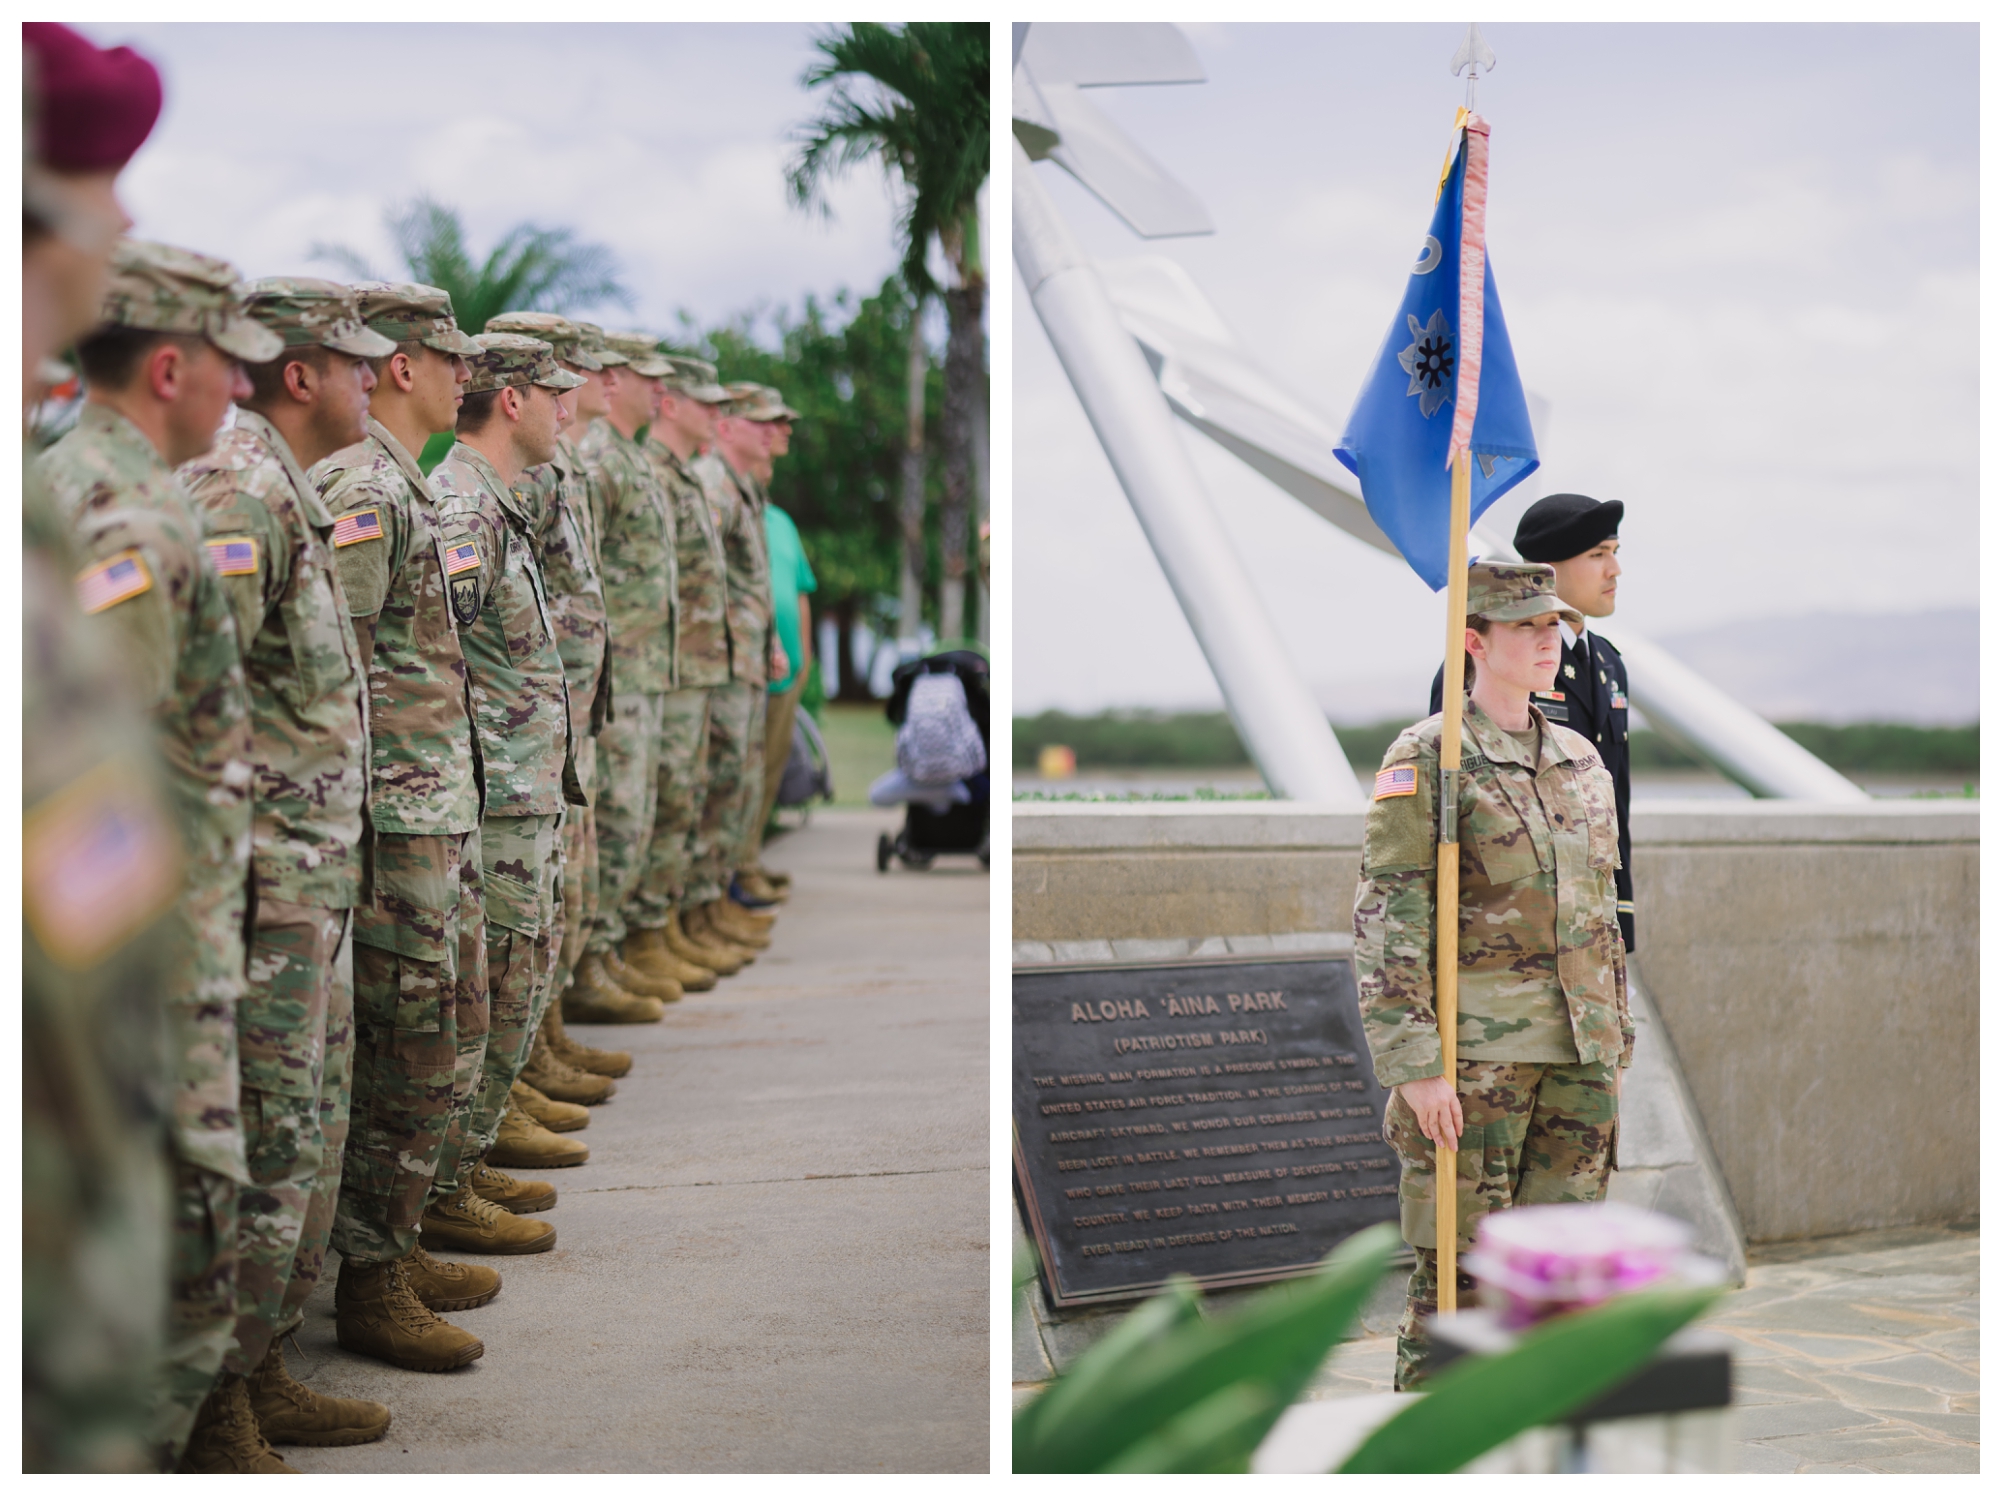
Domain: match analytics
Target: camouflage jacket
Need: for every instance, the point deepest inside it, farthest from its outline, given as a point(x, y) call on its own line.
point(270, 539)
point(521, 704)
point(176, 634)
point(566, 546)
point(737, 504)
point(702, 624)
point(636, 550)
point(1542, 966)
point(391, 555)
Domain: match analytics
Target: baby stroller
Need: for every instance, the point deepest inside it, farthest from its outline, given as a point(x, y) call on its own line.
point(942, 814)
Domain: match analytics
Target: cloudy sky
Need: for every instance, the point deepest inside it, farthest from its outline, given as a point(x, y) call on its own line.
point(666, 142)
point(1738, 261)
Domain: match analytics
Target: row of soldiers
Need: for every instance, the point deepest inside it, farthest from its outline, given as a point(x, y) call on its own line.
point(425, 753)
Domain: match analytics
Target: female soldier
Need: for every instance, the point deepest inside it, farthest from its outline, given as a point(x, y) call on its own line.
point(1543, 1023)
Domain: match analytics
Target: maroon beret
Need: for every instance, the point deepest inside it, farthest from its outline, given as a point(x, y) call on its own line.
point(93, 106)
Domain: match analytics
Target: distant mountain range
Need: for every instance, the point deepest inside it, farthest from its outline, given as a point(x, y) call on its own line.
point(1846, 667)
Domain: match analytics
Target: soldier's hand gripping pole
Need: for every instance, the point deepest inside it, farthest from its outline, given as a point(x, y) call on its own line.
point(1446, 908)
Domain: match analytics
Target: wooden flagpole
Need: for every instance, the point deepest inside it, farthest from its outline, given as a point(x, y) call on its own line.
point(1446, 918)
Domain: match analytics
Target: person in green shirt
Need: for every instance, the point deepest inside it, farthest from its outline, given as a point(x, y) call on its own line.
point(792, 615)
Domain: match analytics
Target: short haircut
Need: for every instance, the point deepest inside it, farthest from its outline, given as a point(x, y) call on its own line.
point(267, 381)
point(476, 410)
point(111, 356)
point(410, 348)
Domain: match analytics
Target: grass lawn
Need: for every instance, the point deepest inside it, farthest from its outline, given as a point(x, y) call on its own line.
point(861, 744)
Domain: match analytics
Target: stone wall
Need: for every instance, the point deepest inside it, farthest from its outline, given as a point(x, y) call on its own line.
point(1816, 967)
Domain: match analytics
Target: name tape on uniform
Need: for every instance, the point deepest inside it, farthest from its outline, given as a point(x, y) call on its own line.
point(1402, 780)
point(232, 555)
point(124, 575)
point(363, 524)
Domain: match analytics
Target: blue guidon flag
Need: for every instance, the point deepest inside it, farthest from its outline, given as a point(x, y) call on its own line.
point(1444, 381)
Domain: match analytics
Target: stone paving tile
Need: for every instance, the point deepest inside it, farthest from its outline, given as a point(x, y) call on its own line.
point(1871, 1448)
point(1882, 1396)
point(1776, 1420)
point(1926, 1371)
point(1964, 1427)
point(1960, 1345)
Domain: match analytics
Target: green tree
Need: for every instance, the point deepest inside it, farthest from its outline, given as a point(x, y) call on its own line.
point(915, 99)
point(530, 269)
point(841, 364)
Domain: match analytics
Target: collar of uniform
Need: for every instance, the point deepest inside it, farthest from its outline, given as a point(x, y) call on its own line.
point(1499, 746)
point(316, 512)
point(116, 428)
point(1571, 635)
point(398, 454)
point(568, 459)
point(489, 475)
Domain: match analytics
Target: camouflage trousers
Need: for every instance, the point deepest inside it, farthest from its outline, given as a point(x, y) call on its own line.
point(628, 765)
point(524, 870)
point(726, 766)
point(201, 1306)
point(295, 1040)
point(577, 903)
point(678, 784)
point(780, 711)
point(748, 833)
point(1536, 1134)
point(420, 955)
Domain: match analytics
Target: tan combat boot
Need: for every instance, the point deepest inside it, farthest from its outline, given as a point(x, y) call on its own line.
point(606, 1062)
point(557, 1116)
point(776, 879)
point(644, 978)
point(469, 1222)
point(734, 922)
point(522, 1196)
point(553, 1077)
point(701, 924)
point(754, 884)
point(724, 961)
point(595, 998)
point(447, 1287)
point(647, 951)
point(523, 1143)
point(743, 914)
point(377, 1314)
point(288, 1412)
point(226, 1439)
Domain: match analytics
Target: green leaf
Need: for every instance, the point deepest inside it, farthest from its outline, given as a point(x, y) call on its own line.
point(1278, 1342)
point(1556, 1369)
point(1137, 1334)
point(1215, 1437)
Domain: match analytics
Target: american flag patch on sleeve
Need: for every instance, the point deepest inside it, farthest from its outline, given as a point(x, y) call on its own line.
point(363, 524)
point(232, 555)
point(1402, 780)
point(463, 556)
point(108, 582)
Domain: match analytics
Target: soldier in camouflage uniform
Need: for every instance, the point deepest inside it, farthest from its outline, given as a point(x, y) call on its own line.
point(99, 856)
point(567, 550)
point(689, 400)
point(1543, 1023)
point(162, 369)
point(272, 542)
point(736, 718)
point(637, 545)
point(420, 933)
point(509, 423)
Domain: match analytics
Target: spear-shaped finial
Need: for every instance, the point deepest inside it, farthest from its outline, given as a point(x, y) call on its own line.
point(1474, 58)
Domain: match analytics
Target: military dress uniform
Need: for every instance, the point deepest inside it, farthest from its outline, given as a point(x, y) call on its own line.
point(701, 663)
point(1543, 1017)
point(271, 540)
point(521, 714)
point(637, 551)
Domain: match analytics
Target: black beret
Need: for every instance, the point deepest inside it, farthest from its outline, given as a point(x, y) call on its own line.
point(1562, 525)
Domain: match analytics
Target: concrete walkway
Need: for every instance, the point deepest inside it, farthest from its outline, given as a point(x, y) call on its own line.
point(776, 1258)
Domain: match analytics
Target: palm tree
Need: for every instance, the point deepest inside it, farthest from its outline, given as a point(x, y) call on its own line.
point(914, 98)
point(531, 269)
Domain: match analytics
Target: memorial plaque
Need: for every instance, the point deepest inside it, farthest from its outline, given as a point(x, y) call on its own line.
point(1217, 1118)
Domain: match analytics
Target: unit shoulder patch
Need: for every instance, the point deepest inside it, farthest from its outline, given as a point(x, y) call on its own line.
point(123, 575)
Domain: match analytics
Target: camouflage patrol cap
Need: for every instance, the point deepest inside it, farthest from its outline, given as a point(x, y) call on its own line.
point(594, 343)
point(1505, 591)
point(163, 289)
point(641, 351)
point(405, 312)
point(507, 359)
point(695, 379)
point(560, 333)
point(304, 312)
point(757, 402)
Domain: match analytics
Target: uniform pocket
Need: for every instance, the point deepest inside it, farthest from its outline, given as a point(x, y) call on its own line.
point(517, 859)
point(414, 901)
